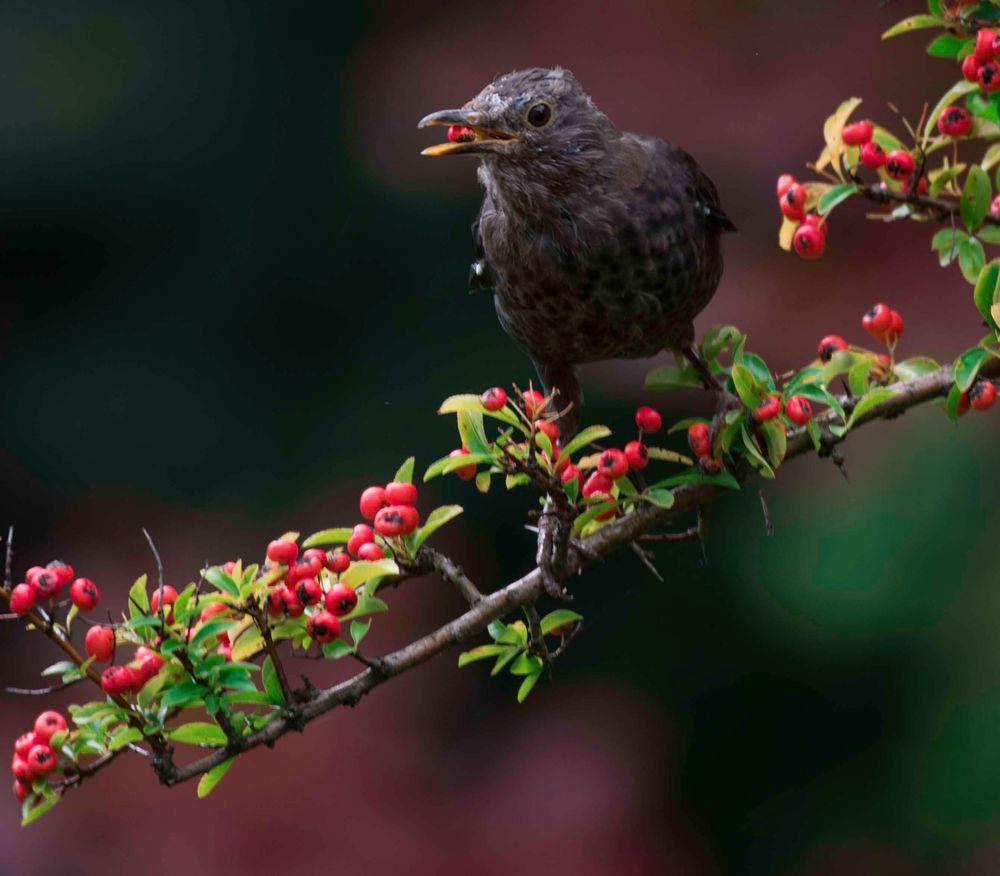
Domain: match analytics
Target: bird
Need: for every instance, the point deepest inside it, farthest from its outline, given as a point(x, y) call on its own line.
point(597, 243)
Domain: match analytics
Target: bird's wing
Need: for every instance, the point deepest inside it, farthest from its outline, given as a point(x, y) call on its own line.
point(481, 276)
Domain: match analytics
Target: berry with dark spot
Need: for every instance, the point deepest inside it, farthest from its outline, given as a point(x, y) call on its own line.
point(648, 419)
point(316, 558)
point(116, 680)
point(323, 627)
point(307, 568)
point(341, 600)
point(48, 723)
point(169, 598)
point(308, 591)
point(809, 241)
point(48, 584)
point(785, 182)
point(41, 760)
point(99, 643)
point(370, 552)
point(20, 769)
point(612, 464)
point(63, 570)
point(389, 521)
point(494, 398)
point(989, 76)
point(282, 551)
point(597, 483)
point(276, 601)
point(534, 402)
point(793, 202)
point(636, 455)
point(954, 121)
point(22, 599)
point(84, 594)
point(768, 410)
point(465, 472)
point(899, 164)
point(858, 133)
point(361, 534)
point(872, 155)
point(698, 439)
point(460, 134)
point(337, 561)
point(293, 605)
point(798, 410)
point(877, 321)
point(372, 501)
point(829, 345)
point(24, 743)
point(982, 395)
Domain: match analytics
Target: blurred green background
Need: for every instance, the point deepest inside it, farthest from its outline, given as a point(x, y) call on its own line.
point(232, 294)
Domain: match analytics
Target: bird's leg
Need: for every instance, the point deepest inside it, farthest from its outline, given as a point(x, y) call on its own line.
point(560, 378)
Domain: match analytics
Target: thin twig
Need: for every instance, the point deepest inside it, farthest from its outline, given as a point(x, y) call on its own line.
point(538, 646)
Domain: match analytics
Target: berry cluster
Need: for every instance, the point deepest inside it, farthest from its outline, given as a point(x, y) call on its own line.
point(810, 236)
point(46, 583)
point(981, 67)
point(35, 752)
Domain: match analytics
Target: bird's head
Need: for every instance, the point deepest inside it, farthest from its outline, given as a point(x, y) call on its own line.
point(527, 119)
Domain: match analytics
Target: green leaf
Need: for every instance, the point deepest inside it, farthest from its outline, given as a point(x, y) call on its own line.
point(916, 366)
point(951, 404)
point(198, 733)
point(361, 571)
point(982, 106)
point(967, 366)
point(746, 387)
point(971, 258)
point(60, 667)
point(404, 474)
point(753, 453)
point(527, 685)
point(986, 291)
point(483, 652)
point(948, 46)
point(138, 602)
point(660, 498)
point(470, 428)
point(212, 778)
point(871, 399)
point(184, 693)
point(976, 197)
point(526, 664)
point(914, 22)
point(359, 629)
point(435, 520)
point(505, 658)
point(670, 377)
point(585, 437)
point(717, 339)
point(857, 377)
point(814, 392)
point(483, 481)
point(558, 618)
point(210, 629)
point(989, 233)
point(123, 737)
point(337, 535)
point(336, 649)
point(696, 476)
point(513, 634)
point(831, 198)
point(664, 455)
point(36, 812)
point(468, 402)
point(220, 580)
point(448, 464)
point(269, 678)
point(946, 242)
point(776, 440)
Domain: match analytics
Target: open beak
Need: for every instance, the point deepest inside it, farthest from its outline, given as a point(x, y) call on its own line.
point(477, 139)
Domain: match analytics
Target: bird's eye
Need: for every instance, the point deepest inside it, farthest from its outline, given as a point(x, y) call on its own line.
point(539, 115)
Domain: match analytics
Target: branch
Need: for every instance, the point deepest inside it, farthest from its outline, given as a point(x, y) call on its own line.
point(943, 209)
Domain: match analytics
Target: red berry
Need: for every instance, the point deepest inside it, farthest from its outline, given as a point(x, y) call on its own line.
point(896, 327)
point(308, 591)
point(371, 552)
point(599, 498)
point(899, 164)
point(858, 133)
point(389, 522)
point(597, 483)
point(612, 464)
point(169, 598)
point(963, 404)
point(830, 345)
point(99, 643)
point(809, 241)
point(49, 723)
point(970, 69)
point(872, 155)
point(63, 570)
point(982, 395)
point(84, 594)
point(225, 649)
point(494, 398)
point(571, 472)
point(648, 419)
point(341, 599)
point(411, 518)
point(282, 552)
point(372, 499)
point(20, 768)
point(816, 221)
point(361, 534)
point(22, 599)
point(636, 455)
point(984, 44)
point(293, 605)
point(798, 410)
point(337, 561)
point(954, 121)
point(995, 206)
point(21, 790)
point(877, 321)
point(768, 410)
point(793, 202)
point(24, 743)
point(48, 584)
point(276, 601)
point(698, 439)
point(323, 626)
point(785, 182)
point(148, 665)
point(460, 134)
point(465, 472)
point(116, 680)
point(989, 76)
point(534, 402)
point(549, 428)
point(400, 493)
point(42, 760)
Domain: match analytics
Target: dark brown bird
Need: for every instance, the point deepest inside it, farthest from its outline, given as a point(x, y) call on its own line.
point(597, 243)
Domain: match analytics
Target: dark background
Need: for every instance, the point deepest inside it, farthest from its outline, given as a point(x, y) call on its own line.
point(232, 294)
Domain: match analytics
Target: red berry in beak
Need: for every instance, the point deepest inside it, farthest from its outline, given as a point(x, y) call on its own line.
point(460, 134)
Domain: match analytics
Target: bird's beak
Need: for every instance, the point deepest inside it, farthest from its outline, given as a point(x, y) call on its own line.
point(479, 139)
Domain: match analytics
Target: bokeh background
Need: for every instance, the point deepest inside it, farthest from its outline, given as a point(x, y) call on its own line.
point(232, 294)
